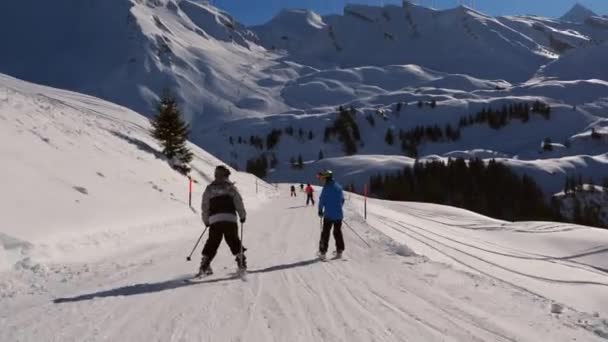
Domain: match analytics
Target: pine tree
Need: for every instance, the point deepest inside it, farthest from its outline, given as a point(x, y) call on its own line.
point(310, 135)
point(321, 154)
point(526, 113)
point(272, 139)
point(547, 146)
point(449, 132)
point(556, 207)
point(605, 184)
point(274, 161)
point(579, 184)
point(172, 133)
point(577, 215)
point(371, 120)
point(591, 185)
point(389, 137)
point(258, 166)
point(573, 187)
point(300, 162)
point(292, 161)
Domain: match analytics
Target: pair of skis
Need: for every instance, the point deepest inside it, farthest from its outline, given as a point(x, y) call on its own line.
point(323, 257)
point(240, 273)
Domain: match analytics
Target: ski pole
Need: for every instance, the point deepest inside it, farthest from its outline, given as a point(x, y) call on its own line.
point(241, 256)
point(321, 232)
point(189, 257)
point(359, 236)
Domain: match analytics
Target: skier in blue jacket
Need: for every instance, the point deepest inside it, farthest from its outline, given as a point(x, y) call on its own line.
point(330, 210)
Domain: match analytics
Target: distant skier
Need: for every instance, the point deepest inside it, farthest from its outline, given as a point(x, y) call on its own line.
point(301, 187)
point(309, 194)
point(330, 209)
point(293, 191)
point(221, 203)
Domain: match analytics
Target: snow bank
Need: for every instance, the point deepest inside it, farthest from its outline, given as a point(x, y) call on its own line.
point(84, 177)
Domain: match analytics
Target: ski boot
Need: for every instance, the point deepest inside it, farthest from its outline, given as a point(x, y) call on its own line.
point(241, 262)
point(321, 256)
point(205, 268)
point(337, 254)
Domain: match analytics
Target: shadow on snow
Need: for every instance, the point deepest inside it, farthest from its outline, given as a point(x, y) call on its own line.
point(180, 282)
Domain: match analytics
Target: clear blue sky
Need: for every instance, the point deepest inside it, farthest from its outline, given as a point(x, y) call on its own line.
point(252, 12)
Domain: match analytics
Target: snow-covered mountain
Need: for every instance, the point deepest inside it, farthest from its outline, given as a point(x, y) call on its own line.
point(129, 51)
point(95, 228)
point(239, 84)
point(477, 45)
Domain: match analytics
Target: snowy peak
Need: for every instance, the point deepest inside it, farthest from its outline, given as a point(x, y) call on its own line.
point(289, 27)
point(127, 51)
point(214, 22)
point(392, 35)
point(300, 17)
point(578, 14)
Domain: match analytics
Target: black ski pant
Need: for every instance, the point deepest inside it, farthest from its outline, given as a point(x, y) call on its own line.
point(219, 230)
point(309, 198)
point(324, 243)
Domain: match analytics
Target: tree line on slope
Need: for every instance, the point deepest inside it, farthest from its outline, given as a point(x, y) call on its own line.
point(346, 130)
point(495, 119)
point(585, 212)
point(492, 189)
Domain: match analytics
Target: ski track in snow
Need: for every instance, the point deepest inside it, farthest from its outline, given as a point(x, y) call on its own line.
point(373, 294)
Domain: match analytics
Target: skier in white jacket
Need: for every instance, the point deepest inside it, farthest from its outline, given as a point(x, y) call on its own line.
point(221, 203)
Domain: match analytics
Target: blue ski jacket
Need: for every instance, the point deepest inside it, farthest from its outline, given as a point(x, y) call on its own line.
point(331, 201)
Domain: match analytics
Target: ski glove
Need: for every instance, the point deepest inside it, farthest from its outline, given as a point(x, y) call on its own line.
point(242, 220)
point(320, 214)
